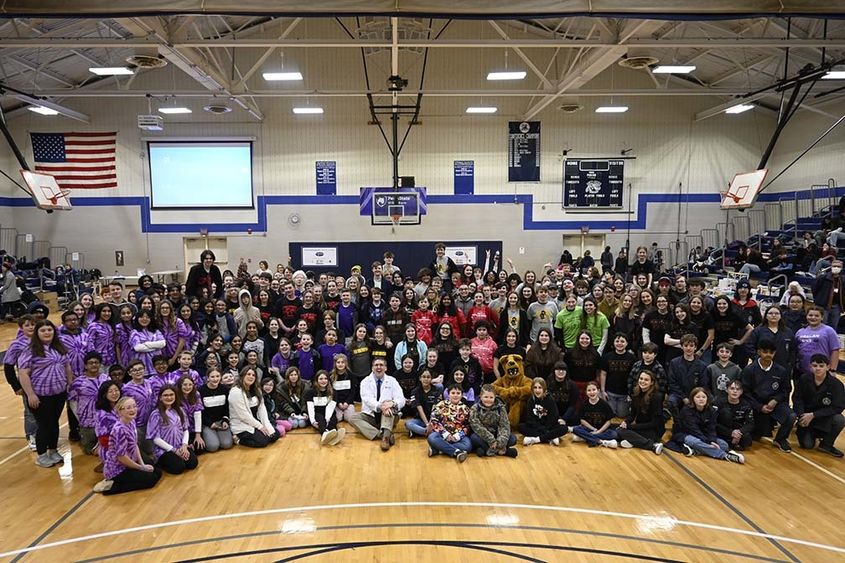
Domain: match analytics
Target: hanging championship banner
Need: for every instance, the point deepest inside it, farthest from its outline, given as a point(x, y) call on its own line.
point(524, 151)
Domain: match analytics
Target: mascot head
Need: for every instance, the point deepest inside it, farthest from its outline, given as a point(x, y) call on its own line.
point(513, 365)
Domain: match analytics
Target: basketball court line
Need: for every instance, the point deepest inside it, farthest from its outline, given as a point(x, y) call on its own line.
point(23, 449)
point(715, 494)
point(812, 463)
point(56, 524)
point(426, 504)
point(474, 545)
point(417, 525)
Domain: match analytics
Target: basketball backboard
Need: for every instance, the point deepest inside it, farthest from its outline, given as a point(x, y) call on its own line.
point(743, 190)
point(45, 191)
point(386, 206)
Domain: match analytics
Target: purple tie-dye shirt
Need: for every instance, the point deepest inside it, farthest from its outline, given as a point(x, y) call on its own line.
point(83, 390)
point(170, 429)
point(77, 345)
point(47, 373)
point(144, 399)
point(103, 340)
point(123, 440)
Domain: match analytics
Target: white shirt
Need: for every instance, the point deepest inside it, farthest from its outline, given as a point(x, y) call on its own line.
point(390, 391)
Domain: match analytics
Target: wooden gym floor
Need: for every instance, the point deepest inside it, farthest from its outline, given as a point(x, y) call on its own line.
point(297, 501)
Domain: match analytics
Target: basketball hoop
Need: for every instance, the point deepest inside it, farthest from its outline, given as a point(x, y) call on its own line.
point(396, 219)
point(729, 195)
point(54, 199)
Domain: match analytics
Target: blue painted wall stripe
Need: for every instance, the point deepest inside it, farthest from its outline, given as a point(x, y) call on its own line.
point(528, 222)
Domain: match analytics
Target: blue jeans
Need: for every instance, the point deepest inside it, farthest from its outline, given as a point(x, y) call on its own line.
point(439, 444)
point(749, 269)
point(30, 425)
point(619, 404)
point(593, 439)
point(479, 443)
point(415, 426)
point(701, 447)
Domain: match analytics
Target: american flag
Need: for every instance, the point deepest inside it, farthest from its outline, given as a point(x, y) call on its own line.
point(77, 160)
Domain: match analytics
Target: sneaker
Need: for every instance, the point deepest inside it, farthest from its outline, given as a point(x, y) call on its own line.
point(44, 460)
point(56, 456)
point(327, 437)
point(658, 448)
point(431, 452)
point(688, 451)
point(626, 444)
point(783, 446)
point(30, 440)
point(103, 486)
point(385, 442)
point(530, 440)
point(410, 434)
point(612, 444)
point(830, 450)
point(461, 456)
point(392, 437)
point(577, 438)
point(341, 434)
point(735, 457)
point(511, 452)
point(555, 441)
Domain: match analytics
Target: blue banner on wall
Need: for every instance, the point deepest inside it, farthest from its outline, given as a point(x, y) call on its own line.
point(464, 177)
point(326, 177)
point(523, 151)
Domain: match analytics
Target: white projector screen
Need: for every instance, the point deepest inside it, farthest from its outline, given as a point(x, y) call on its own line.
point(191, 174)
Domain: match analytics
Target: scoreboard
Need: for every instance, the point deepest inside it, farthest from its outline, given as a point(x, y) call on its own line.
point(593, 183)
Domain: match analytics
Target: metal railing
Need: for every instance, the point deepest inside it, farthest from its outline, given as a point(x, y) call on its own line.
point(710, 238)
point(57, 255)
point(9, 240)
point(727, 232)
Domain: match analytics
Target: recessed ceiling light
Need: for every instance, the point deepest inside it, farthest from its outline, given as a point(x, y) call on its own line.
point(481, 109)
point(834, 75)
point(282, 76)
point(740, 108)
point(111, 70)
point(170, 110)
point(308, 110)
point(506, 75)
point(673, 69)
point(42, 110)
point(611, 109)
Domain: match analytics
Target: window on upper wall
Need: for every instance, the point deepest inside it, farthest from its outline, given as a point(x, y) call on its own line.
point(200, 174)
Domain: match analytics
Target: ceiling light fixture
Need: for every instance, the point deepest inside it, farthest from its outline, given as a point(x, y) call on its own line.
point(282, 76)
point(308, 110)
point(506, 75)
point(482, 109)
point(740, 108)
point(174, 110)
point(673, 69)
point(111, 70)
point(41, 110)
point(834, 75)
point(611, 109)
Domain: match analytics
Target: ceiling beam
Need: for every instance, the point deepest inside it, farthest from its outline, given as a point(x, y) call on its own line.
point(522, 55)
point(593, 92)
point(644, 42)
point(67, 112)
point(287, 31)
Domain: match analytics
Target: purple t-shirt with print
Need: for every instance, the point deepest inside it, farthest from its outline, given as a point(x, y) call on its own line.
point(47, 373)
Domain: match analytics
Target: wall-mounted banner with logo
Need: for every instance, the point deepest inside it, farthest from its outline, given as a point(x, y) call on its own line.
point(523, 151)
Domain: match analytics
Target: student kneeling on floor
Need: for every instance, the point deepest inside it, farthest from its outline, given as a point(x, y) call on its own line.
point(819, 400)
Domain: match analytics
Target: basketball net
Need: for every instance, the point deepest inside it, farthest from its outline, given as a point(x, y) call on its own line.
point(54, 199)
point(396, 220)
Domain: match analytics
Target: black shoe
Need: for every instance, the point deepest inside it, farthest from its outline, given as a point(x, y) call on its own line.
point(688, 451)
point(831, 450)
point(511, 452)
point(73, 436)
point(783, 446)
point(480, 452)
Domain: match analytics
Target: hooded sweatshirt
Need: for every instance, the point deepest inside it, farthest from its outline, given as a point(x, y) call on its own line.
point(491, 424)
point(246, 313)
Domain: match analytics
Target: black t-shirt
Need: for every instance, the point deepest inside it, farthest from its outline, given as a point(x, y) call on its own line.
point(658, 325)
point(287, 310)
point(596, 414)
point(617, 367)
point(425, 399)
point(583, 367)
point(505, 350)
point(646, 268)
point(727, 327)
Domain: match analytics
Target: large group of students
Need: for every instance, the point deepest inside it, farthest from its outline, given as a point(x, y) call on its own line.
point(467, 356)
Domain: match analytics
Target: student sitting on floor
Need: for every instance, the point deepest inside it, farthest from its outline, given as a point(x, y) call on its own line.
point(643, 427)
point(490, 426)
point(819, 401)
point(423, 399)
point(696, 429)
point(595, 416)
point(735, 420)
point(565, 394)
point(450, 426)
point(541, 419)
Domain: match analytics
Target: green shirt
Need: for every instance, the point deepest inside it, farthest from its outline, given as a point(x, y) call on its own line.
point(570, 323)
